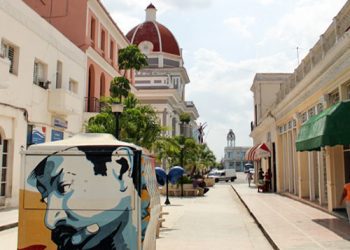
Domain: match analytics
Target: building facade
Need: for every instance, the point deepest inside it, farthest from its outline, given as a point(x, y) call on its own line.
point(318, 87)
point(162, 83)
point(42, 89)
point(90, 27)
point(234, 156)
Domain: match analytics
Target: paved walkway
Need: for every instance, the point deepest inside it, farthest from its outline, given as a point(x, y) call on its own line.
point(293, 225)
point(8, 219)
point(216, 221)
point(221, 221)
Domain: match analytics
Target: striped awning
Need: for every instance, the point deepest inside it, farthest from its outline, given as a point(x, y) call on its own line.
point(257, 152)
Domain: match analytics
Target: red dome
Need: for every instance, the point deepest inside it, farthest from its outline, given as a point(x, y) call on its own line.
point(159, 35)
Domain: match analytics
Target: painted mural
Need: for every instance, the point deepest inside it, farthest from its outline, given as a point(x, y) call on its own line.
point(88, 200)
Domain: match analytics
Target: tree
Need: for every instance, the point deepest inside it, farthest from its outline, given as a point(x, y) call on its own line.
point(139, 123)
point(131, 58)
point(128, 58)
point(185, 118)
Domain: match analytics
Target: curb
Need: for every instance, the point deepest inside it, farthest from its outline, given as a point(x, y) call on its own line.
point(8, 226)
point(262, 229)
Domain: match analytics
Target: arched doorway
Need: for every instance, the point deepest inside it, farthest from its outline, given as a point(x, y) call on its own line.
point(91, 100)
point(4, 149)
point(102, 85)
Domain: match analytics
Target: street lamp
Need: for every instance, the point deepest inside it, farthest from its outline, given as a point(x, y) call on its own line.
point(117, 109)
point(182, 165)
point(167, 202)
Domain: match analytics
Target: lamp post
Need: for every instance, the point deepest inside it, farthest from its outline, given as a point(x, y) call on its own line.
point(117, 109)
point(182, 165)
point(167, 202)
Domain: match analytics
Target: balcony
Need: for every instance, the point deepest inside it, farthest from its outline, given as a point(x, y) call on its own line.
point(4, 72)
point(64, 102)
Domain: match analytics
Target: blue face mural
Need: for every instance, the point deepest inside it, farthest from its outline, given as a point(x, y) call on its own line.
point(89, 199)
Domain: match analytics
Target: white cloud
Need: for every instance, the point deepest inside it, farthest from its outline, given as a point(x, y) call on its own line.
point(302, 26)
point(189, 4)
point(221, 92)
point(265, 2)
point(240, 25)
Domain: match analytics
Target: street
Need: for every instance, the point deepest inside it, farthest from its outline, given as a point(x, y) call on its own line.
point(216, 221)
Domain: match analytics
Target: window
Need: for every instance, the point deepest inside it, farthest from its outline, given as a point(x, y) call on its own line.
point(319, 108)
point(59, 75)
point(333, 97)
point(92, 29)
point(311, 112)
point(347, 91)
point(73, 86)
point(11, 52)
point(303, 117)
point(3, 169)
point(111, 50)
point(103, 40)
point(39, 75)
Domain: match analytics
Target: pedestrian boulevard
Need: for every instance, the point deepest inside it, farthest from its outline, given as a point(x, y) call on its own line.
point(294, 225)
point(229, 217)
point(216, 221)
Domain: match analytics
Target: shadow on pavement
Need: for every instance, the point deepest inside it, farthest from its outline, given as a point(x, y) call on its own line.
point(340, 227)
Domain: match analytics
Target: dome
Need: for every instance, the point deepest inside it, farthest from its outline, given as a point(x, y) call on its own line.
point(151, 31)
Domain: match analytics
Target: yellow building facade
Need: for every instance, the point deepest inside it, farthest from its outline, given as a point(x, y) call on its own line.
point(320, 81)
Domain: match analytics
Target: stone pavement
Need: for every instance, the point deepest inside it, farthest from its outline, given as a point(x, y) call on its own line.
point(290, 224)
point(8, 219)
point(217, 221)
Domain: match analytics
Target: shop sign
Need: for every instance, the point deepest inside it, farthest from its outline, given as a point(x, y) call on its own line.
point(38, 135)
point(60, 123)
point(56, 135)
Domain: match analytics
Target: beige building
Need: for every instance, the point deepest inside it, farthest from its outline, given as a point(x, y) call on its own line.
point(315, 168)
point(42, 88)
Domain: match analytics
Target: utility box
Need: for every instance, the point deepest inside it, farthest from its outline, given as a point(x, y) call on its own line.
point(90, 191)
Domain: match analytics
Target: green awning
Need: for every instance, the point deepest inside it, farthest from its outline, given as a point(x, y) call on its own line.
point(329, 128)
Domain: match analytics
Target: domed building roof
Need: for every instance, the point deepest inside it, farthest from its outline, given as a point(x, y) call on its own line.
point(160, 37)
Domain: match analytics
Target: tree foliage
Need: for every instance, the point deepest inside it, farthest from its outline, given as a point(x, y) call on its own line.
point(131, 58)
point(139, 123)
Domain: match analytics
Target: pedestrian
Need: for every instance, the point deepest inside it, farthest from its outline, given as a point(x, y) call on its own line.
point(267, 179)
point(346, 197)
point(261, 176)
point(249, 177)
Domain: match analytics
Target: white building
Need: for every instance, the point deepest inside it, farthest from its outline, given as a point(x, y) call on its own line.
point(234, 157)
point(42, 88)
point(162, 83)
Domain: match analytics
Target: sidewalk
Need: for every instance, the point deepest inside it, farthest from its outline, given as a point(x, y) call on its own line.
point(8, 219)
point(216, 221)
point(291, 224)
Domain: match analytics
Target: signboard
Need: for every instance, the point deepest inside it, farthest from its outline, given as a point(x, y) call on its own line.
point(38, 135)
point(60, 123)
point(56, 135)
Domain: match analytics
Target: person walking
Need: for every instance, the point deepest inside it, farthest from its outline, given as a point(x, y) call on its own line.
point(346, 197)
point(249, 177)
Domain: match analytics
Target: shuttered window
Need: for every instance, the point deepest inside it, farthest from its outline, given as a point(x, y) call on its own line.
point(9, 51)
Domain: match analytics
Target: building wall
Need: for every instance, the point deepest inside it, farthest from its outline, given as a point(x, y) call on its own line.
point(90, 27)
point(69, 17)
point(234, 157)
point(24, 103)
point(321, 80)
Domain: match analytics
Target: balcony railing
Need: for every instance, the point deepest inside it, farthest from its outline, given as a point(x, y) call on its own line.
point(337, 30)
point(92, 105)
point(64, 102)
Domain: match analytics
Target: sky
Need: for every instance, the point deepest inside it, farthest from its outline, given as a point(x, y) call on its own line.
point(225, 43)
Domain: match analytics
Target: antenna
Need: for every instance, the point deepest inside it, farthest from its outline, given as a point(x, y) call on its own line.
point(298, 54)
